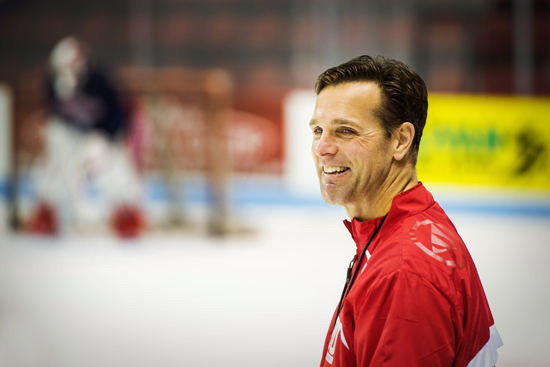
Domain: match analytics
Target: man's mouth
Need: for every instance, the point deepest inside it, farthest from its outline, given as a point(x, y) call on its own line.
point(334, 170)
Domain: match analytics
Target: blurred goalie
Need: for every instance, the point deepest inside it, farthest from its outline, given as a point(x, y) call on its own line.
point(84, 178)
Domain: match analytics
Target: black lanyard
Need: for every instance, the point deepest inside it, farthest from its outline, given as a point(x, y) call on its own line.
point(351, 279)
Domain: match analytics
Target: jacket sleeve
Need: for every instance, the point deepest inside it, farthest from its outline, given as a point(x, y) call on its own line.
point(405, 321)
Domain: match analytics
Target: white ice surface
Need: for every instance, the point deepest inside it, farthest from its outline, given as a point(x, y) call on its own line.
point(258, 299)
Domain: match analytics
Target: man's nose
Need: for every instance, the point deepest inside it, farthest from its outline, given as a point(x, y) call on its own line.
point(325, 145)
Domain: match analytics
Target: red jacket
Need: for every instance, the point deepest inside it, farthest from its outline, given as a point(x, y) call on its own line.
point(417, 299)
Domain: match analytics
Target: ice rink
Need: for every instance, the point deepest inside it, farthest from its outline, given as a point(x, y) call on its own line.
point(263, 297)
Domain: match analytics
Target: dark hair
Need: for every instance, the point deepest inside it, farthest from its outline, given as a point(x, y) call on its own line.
point(404, 94)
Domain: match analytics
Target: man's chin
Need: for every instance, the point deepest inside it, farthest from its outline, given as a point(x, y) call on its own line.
point(331, 199)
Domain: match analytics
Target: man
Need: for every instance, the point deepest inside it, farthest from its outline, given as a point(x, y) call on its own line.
point(84, 146)
point(413, 296)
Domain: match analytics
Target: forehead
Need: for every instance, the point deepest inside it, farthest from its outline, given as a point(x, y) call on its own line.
point(354, 101)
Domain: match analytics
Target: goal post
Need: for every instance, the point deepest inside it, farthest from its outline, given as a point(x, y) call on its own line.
point(187, 112)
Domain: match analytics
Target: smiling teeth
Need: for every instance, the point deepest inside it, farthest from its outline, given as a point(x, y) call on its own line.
point(334, 169)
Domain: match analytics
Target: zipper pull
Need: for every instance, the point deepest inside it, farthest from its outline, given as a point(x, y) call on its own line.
point(350, 268)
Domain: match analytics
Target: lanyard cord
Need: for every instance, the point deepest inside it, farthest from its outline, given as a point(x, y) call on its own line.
point(351, 279)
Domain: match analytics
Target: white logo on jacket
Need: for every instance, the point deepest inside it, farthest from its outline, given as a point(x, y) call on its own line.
point(442, 240)
point(338, 331)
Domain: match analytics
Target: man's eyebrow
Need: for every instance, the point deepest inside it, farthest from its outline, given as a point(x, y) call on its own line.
point(337, 122)
point(345, 122)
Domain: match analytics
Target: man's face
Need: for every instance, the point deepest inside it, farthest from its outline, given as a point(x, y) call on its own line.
point(352, 154)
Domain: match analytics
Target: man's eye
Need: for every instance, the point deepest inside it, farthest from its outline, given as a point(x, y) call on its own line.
point(317, 130)
point(347, 131)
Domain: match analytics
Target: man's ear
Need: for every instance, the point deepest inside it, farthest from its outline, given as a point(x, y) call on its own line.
point(404, 136)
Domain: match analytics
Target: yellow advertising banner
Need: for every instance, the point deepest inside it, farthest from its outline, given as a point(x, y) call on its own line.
point(487, 140)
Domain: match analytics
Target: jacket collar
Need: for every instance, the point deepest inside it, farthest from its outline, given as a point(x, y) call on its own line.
point(407, 203)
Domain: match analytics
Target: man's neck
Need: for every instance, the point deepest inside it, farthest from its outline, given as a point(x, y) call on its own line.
point(379, 204)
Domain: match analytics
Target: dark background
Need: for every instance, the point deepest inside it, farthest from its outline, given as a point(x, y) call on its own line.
point(457, 46)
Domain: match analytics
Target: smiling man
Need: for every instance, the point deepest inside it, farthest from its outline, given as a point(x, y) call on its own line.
point(412, 296)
